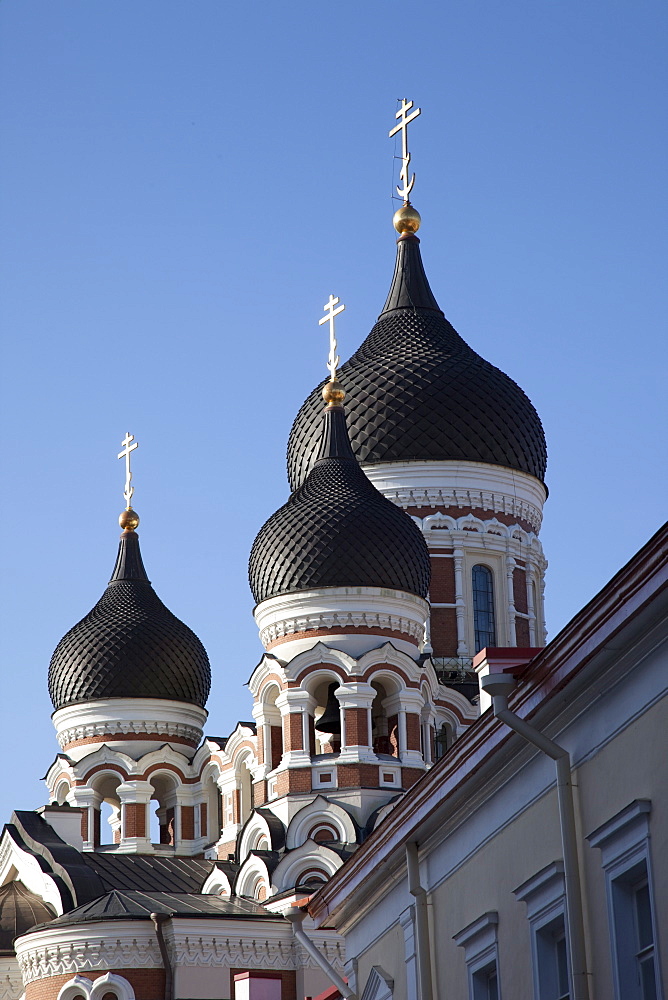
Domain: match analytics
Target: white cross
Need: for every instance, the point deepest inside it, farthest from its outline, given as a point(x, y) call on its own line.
point(402, 127)
point(128, 448)
point(333, 361)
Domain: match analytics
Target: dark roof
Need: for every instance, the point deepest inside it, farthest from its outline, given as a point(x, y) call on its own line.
point(140, 905)
point(417, 392)
point(130, 645)
point(76, 882)
point(334, 530)
point(149, 872)
point(20, 910)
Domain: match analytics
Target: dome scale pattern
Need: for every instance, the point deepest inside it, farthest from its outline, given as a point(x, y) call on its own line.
point(130, 645)
point(417, 392)
point(337, 530)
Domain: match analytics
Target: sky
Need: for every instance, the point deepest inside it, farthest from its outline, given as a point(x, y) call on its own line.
point(184, 183)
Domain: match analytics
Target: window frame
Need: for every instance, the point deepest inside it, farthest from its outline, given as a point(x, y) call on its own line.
point(488, 570)
point(481, 954)
point(624, 843)
point(545, 897)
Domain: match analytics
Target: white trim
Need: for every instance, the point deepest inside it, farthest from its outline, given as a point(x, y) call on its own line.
point(334, 608)
point(545, 896)
point(379, 985)
point(472, 485)
point(624, 842)
point(481, 950)
point(116, 717)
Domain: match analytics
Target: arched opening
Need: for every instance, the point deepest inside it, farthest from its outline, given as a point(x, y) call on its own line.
point(162, 810)
point(327, 712)
point(314, 878)
point(107, 818)
point(272, 727)
point(211, 809)
point(323, 833)
point(244, 788)
point(384, 727)
point(483, 607)
point(62, 791)
point(444, 739)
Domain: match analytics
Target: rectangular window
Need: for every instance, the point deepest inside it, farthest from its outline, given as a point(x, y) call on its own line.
point(485, 983)
point(624, 844)
point(634, 934)
point(552, 961)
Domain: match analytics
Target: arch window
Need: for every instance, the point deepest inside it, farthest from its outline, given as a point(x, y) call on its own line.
point(443, 740)
point(483, 607)
point(322, 834)
point(313, 877)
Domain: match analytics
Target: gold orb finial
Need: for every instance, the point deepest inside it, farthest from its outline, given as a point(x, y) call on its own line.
point(406, 219)
point(129, 519)
point(333, 393)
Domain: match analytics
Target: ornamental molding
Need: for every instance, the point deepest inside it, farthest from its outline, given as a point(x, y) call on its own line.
point(68, 950)
point(119, 727)
point(497, 503)
point(11, 983)
point(331, 622)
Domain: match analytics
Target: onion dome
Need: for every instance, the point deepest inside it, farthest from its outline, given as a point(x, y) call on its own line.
point(337, 530)
point(418, 392)
point(20, 910)
point(130, 645)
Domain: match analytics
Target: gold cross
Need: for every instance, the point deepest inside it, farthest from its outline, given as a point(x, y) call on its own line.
point(128, 448)
point(333, 361)
point(402, 127)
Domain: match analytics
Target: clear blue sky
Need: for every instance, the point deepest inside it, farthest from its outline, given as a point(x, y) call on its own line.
point(185, 182)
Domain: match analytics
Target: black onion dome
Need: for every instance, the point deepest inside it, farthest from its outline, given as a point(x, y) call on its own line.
point(20, 910)
point(337, 530)
point(417, 392)
point(130, 645)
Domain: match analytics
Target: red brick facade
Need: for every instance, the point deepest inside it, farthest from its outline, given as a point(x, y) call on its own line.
point(442, 586)
point(357, 729)
point(444, 630)
point(148, 984)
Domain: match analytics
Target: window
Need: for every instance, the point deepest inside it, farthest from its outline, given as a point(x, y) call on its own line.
point(481, 955)
point(544, 895)
point(552, 961)
point(483, 607)
point(485, 983)
point(624, 845)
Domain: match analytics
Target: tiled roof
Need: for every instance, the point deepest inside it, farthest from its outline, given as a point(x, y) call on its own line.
point(417, 392)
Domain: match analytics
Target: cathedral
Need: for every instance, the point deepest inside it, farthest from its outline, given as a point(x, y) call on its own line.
point(169, 862)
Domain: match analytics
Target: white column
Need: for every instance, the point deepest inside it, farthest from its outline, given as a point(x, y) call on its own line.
point(530, 608)
point(512, 635)
point(293, 701)
point(90, 800)
point(460, 605)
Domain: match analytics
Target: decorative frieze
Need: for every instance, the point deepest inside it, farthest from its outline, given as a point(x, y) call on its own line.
point(93, 732)
point(332, 622)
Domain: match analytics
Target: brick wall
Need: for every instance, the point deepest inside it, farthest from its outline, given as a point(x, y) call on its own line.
point(522, 632)
point(413, 731)
point(358, 776)
point(292, 731)
point(148, 984)
point(444, 630)
point(409, 775)
point(357, 730)
point(134, 819)
point(187, 822)
point(297, 779)
point(442, 586)
point(520, 591)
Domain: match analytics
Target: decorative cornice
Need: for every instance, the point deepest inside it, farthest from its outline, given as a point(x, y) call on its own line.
point(98, 732)
point(497, 503)
point(332, 622)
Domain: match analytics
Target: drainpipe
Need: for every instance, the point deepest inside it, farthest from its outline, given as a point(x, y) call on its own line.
point(158, 920)
point(499, 686)
point(296, 918)
point(421, 921)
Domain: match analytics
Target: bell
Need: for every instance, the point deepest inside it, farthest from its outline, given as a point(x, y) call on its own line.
point(330, 720)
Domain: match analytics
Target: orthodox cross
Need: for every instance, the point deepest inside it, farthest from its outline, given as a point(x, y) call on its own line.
point(333, 361)
point(128, 448)
point(404, 119)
